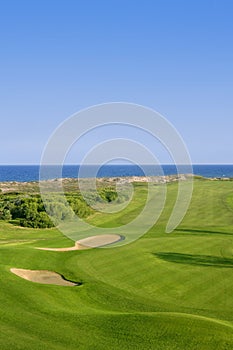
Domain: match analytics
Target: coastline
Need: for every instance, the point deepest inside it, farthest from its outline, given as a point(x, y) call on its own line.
point(72, 183)
point(31, 173)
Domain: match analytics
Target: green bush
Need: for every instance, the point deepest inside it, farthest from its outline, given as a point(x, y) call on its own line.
point(108, 195)
point(32, 212)
point(79, 206)
point(5, 214)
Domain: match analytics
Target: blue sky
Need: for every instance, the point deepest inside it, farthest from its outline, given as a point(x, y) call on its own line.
point(57, 57)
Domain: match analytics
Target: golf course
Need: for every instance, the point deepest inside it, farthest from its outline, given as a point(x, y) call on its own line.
point(163, 291)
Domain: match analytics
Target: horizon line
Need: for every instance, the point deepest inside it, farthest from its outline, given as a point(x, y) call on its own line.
point(73, 164)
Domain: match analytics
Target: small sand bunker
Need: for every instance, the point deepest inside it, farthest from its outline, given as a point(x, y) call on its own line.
point(89, 242)
point(43, 276)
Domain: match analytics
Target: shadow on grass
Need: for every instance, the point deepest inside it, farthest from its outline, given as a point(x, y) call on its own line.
point(15, 222)
point(199, 260)
point(187, 230)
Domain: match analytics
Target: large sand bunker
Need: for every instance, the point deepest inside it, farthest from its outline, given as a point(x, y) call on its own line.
point(89, 242)
point(43, 276)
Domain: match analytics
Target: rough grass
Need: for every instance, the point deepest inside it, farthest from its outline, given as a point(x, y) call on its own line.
point(163, 292)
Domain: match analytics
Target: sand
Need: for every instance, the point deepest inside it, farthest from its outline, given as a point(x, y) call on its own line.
point(89, 242)
point(42, 276)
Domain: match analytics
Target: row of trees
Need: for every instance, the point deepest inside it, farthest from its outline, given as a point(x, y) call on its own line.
point(30, 210)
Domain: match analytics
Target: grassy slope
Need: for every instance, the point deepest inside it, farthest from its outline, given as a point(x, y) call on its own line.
point(164, 291)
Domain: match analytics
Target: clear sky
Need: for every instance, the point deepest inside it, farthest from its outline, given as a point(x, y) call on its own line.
point(59, 56)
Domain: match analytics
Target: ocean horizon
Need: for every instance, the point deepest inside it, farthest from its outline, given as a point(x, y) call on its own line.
point(27, 173)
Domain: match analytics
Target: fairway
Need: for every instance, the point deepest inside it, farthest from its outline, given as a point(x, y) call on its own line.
point(161, 292)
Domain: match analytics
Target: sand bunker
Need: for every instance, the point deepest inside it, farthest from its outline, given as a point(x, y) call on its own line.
point(43, 276)
point(89, 242)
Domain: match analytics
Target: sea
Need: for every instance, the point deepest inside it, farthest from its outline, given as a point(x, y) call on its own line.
point(25, 173)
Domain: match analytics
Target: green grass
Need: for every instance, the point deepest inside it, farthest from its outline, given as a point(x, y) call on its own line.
point(161, 292)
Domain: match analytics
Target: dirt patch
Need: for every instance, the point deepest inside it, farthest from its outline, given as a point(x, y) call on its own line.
point(43, 276)
point(89, 242)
